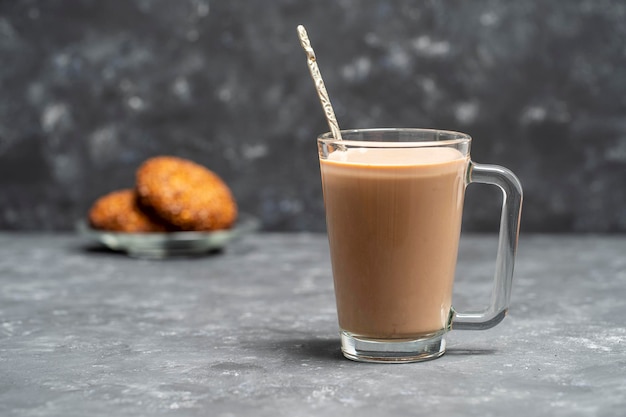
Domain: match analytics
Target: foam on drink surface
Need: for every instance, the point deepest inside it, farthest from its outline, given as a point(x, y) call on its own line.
point(396, 156)
point(394, 162)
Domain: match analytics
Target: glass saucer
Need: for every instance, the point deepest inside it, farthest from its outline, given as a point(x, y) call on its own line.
point(170, 244)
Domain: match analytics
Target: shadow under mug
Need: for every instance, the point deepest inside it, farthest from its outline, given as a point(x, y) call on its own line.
point(394, 204)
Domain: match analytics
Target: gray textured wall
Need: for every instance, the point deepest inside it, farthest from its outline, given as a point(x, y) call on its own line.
point(89, 89)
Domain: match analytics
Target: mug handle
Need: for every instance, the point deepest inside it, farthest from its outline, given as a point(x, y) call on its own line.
point(507, 246)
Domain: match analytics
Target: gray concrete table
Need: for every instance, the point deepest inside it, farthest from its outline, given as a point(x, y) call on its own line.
point(252, 331)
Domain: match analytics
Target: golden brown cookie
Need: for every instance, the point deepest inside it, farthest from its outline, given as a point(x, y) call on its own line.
point(186, 194)
point(120, 211)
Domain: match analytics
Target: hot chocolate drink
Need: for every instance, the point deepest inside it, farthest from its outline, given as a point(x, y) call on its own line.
point(394, 220)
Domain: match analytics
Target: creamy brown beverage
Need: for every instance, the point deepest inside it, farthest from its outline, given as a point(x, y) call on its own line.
point(394, 220)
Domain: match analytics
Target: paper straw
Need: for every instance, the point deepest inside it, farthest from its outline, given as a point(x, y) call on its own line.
point(319, 83)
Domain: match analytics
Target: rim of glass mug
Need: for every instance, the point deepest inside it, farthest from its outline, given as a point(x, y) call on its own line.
point(399, 138)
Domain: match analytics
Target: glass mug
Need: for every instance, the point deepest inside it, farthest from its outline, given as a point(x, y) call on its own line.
point(394, 203)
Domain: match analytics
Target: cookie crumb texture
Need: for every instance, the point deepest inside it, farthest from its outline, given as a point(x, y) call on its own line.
point(185, 194)
point(120, 211)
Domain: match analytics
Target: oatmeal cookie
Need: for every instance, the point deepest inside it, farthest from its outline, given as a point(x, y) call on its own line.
point(186, 194)
point(120, 211)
